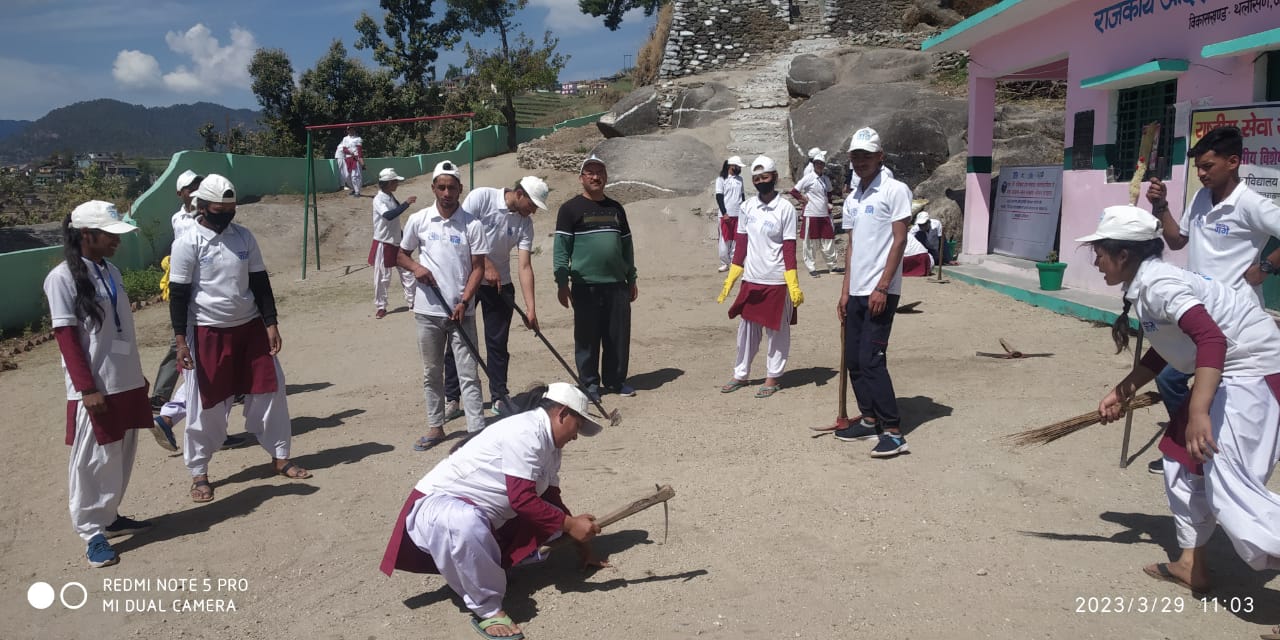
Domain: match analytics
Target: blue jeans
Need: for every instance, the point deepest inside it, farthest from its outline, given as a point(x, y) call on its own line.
point(1172, 385)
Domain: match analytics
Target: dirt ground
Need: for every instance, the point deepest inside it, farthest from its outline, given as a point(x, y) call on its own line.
point(773, 533)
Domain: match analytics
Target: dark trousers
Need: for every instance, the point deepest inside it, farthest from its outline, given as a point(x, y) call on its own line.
point(866, 343)
point(497, 315)
point(166, 376)
point(602, 322)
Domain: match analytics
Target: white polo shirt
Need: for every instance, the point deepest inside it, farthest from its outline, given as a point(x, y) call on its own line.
point(115, 367)
point(767, 226)
point(520, 446)
point(732, 191)
point(505, 229)
point(1161, 293)
point(1224, 240)
point(869, 216)
point(444, 247)
point(182, 222)
point(815, 187)
point(385, 230)
point(217, 266)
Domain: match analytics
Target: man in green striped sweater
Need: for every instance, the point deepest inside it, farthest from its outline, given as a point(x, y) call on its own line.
point(595, 270)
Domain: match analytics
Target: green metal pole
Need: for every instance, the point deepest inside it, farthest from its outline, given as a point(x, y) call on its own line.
point(315, 213)
point(471, 135)
point(306, 205)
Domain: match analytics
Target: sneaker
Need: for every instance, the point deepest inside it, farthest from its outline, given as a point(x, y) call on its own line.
point(1156, 466)
point(593, 395)
point(382, 313)
point(889, 446)
point(861, 430)
point(723, 268)
point(837, 269)
point(498, 407)
point(813, 274)
point(100, 553)
point(624, 390)
point(234, 442)
point(124, 526)
point(163, 434)
point(453, 410)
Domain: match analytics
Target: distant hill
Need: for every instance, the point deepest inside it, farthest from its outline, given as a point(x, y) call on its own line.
point(10, 127)
point(114, 126)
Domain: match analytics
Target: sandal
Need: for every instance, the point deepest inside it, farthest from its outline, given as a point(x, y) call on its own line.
point(201, 491)
point(733, 385)
point(481, 627)
point(1161, 572)
point(767, 391)
point(293, 471)
point(427, 442)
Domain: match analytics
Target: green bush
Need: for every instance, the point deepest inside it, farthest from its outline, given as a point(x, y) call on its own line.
point(142, 284)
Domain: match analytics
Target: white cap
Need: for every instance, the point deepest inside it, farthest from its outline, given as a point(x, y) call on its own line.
point(922, 217)
point(185, 179)
point(446, 168)
point(736, 161)
point(215, 188)
point(820, 156)
point(763, 164)
point(573, 398)
point(919, 204)
point(813, 153)
point(97, 214)
point(388, 175)
point(1125, 222)
point(537, 189)
point(865, 139)
point(591, 158)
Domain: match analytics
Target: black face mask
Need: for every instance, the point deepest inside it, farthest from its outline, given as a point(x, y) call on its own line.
point(219, 221)
point(766, 188)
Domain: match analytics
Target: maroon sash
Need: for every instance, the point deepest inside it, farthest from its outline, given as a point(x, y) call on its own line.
point(234, 361)
point(388, 251)
point(819, 228)
point(125, 410)
point(762, 304)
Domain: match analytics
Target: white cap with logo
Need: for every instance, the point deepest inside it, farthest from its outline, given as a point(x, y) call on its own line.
point(446, 168)
point(389, 175)
point(573, 398)
point(1124, 222)
point(537, 190)
point(592, 158)
point(763, 164)
point(186, 179)
point(217, 189)
point(100, 215)
point(865, 139)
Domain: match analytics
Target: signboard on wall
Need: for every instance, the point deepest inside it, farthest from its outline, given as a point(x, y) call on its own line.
point(1028, 204)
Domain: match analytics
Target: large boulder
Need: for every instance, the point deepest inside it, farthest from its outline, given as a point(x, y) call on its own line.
point(702, 105)
point(634, 115)
point(917, 126)
point(657, 166)
point(809, 74)
point(878, 65)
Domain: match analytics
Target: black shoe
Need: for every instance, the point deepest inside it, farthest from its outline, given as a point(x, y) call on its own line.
point(857, 431)
point(1156, 466)
point(124, 526)
point(233, 442)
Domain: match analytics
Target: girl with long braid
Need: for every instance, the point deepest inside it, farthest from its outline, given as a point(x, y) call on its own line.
point(106, 391)
point(1222, 444)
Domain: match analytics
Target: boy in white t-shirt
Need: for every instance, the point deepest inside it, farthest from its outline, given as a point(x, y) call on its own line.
point(451, 246)
point(386, 241)
point(812, 192)
point(105, 390)
point(729, 199)
point(876, 213)
point(352, 158)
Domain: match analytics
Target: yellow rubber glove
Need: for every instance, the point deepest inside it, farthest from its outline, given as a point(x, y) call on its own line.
point(164, 279)
point(735, 272)
point(793, 288)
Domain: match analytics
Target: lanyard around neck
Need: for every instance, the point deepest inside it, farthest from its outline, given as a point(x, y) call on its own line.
point(112, 292)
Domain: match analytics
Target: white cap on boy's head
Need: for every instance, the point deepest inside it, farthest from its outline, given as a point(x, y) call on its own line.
point(446, 168)
point(537, 190)
point(573, 398)
point(763, 164)
point(1125, 222)
point(217, 189)
point(100, 215)
point(389, 175)
point(186, 180)
point(865, 139)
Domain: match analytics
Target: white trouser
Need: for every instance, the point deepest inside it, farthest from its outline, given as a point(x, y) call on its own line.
point(827, 246)
point(356, 178)
point(458, 539)
point(382, 276)
point(1233, 490)
point(749, 342)
point(175, 410)
point(97, 476)
point(434, 337)
point(343, 178)
point(724, 247)
point(266, 416)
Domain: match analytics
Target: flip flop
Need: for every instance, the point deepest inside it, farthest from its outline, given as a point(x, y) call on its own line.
point(480, 626)
point(733, 386)
point(424, 443)
point(197, 484)
point(767, 391)
point(164, 434)
point(284, 471)
point(1162, 573)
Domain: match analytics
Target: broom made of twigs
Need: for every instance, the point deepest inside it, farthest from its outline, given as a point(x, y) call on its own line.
point(1045, 435)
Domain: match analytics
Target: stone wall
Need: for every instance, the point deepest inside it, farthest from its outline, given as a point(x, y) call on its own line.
point(847, 17)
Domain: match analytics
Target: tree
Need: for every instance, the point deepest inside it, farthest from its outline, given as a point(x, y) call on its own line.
point(409, 41)
point(612, 10)
point(273, 85)
point(510, 70)
point(209, 136)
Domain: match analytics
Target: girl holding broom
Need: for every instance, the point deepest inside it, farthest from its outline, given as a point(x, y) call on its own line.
point(1222, 445)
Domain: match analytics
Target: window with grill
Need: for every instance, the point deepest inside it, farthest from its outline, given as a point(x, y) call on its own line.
point(1135, 108)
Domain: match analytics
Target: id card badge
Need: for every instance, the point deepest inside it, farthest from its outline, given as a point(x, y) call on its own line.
point(121, 347)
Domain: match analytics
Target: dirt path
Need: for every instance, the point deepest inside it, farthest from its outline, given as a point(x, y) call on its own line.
point(773, 533)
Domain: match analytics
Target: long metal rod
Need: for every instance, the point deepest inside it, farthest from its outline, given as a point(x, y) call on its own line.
point(368, 123)
point(306, 204)
point(1128, 418)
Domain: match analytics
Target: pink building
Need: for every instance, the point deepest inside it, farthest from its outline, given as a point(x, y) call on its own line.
point(1126, 63)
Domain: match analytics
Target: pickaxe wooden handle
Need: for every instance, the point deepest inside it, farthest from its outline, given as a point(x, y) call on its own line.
point(660, 496)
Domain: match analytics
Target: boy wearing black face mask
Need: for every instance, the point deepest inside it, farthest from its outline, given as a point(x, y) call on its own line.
point(224, 321)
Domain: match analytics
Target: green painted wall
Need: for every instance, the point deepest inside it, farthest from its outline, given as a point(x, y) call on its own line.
point(21, 288)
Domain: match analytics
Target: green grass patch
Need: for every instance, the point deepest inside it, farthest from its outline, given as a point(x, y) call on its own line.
point(142, 284)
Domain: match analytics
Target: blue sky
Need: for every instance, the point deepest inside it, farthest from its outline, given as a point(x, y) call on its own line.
point(163, 52)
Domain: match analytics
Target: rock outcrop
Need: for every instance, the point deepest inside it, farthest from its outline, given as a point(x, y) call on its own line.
point(657, 166)
point(636, 114)
point(809, 74)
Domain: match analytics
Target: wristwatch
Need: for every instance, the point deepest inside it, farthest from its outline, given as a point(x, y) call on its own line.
point(1267, 267)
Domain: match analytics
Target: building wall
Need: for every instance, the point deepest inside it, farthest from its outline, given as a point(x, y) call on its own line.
point(1070, 33)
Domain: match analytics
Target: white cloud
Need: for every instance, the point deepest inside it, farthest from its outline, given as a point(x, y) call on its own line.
point(135, 69)
point(564, 17)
